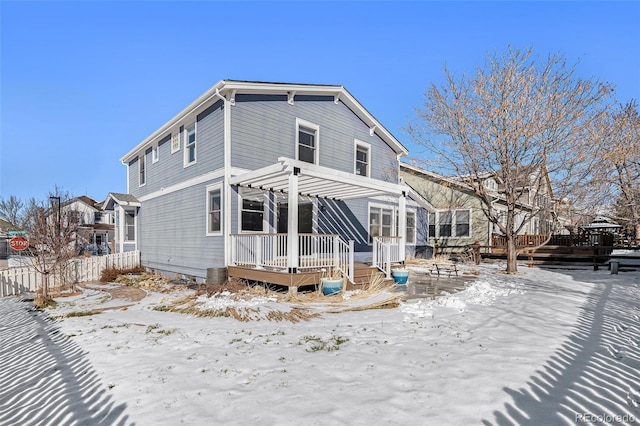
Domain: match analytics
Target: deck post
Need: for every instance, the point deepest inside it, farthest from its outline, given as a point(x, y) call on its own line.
point(258, 251)
point(292, 222)
point(402, 228)
point(387, 260)
point(351, 258)
point(336, 251)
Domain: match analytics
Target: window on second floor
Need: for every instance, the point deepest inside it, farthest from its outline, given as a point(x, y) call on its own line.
point(307, 141)
point(142, 169)
point(190, 145)
point(155, 154)
point(362, 159)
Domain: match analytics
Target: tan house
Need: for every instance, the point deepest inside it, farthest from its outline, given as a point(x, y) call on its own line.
point(459, 219)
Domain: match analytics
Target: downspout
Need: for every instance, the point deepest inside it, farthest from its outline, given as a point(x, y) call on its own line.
point(226, 225)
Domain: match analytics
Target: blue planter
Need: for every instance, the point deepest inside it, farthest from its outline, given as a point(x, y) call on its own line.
point(331, 286)
point(400, 276)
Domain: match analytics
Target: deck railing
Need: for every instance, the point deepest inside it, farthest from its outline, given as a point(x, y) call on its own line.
point(386, 250)
point(315, 251)
point(574, 240)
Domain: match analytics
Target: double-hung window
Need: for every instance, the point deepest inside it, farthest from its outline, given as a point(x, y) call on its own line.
point(307, 141)
point(380, 222)
point(252, 213)
point(462, 223)
point(129, 226)
point(190, 145)
point(214, 210)
point(362, 158)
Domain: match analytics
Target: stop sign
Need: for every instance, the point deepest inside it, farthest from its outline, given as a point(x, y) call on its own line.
point(19, 243)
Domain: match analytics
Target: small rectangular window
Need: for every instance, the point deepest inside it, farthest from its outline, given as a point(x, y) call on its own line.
point(306, 145)
point(214, 210)
point(175, 142)
point(190, 145)
point(142, 168)
point(155, 154)
point(362, 159)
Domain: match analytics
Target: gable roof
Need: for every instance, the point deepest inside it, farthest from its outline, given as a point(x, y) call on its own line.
point(230, 88)
point(121, 199)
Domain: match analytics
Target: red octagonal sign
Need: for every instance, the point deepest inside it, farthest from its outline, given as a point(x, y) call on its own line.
point(19, 243)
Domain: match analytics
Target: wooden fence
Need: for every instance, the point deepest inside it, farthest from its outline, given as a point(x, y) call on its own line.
point(14, 281)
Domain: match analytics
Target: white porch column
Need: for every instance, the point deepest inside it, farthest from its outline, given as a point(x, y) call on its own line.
point(402, 226)
point(292, 222)
point(120, 229)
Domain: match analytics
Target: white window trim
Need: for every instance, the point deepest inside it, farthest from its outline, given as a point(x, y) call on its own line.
point(155, 154)
point(453, 223)
point(142, 159)
point(361, 144)
point(304, 123)
point(265, 215)
point(124, 225)
point(185, 157)
point(175, 142)
point(209, 188)
point(415, 227)
point(394, 214)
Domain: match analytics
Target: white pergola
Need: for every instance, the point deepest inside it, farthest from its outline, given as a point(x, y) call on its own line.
point(299, 178)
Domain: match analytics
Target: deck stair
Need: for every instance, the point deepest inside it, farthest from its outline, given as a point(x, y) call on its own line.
point(363, 274)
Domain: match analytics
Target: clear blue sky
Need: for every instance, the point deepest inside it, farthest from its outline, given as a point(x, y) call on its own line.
point(84, 82)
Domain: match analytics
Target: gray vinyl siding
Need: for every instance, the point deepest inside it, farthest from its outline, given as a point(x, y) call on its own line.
point(170, 170)
point(174, 233)
point(264, 128)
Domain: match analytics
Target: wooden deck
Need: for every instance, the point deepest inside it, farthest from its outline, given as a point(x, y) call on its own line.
point(363, 274)
point(286, 279)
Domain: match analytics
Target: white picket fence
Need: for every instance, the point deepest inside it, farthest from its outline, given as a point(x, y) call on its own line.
point(14, 281)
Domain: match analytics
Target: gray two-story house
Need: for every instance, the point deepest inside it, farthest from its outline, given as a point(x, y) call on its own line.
point(287, 180)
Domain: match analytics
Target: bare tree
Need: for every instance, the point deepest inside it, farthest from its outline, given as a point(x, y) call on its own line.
point(52, 231)
point(10, 209)
point(620, 168)
point(520, 120)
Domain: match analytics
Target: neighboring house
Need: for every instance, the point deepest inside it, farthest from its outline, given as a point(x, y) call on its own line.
point(269, 176)
point(5, 227)
point(460, 219)
point(96, 226)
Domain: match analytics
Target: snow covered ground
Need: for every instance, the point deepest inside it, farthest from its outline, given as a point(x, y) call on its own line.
point(545, 347)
